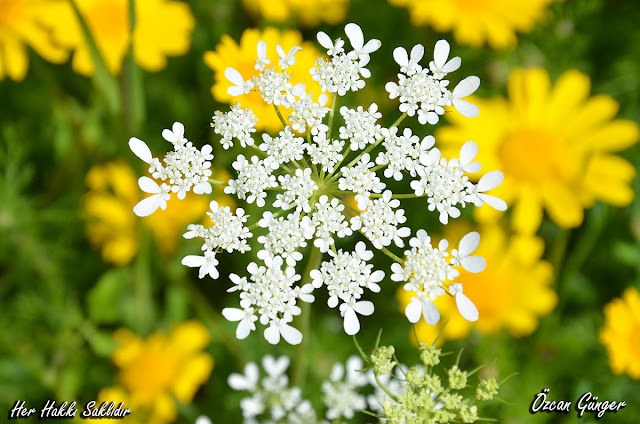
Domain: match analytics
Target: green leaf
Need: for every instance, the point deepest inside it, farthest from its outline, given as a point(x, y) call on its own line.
point(104, 299)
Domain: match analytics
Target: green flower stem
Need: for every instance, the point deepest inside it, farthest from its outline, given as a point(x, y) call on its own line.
point(105, 83)
point(360, 351)
point(275, 215)
point(142, 285)
point(216, 182)
point(284, 123)
point(132, 88)
point(302, 350)
point(334, 103)
point(384, 388)
point(371, 147)
point(595, 223)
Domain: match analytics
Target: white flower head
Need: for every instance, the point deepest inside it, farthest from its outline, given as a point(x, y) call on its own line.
point(300, 183)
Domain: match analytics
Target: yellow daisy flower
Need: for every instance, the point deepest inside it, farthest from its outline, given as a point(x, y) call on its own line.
point(308, 13)
point(554, 145)
point(22, 23)
point(512, 292)
point(243, 58)
point(114, 228)
point(155, 370)
point(163, 28)
point(621, 333)
point(475, 22)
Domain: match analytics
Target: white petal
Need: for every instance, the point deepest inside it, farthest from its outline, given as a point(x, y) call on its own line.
point(468, 152)
point(140, 149)
point(244, 329)
point(473, 263)
point(234, 76)
point(351, 323)
point(238, 382)
point(290, 334)
point(430, 311)
point(147, 185)
point(494, 202)
point(178, 130)
point(400, 56)
point(469, 244)
point(452, 65)
point(413, 311)
point(441, 53)
point(356, 38)
point(281, 53)
point(417, 52)
point(272, 334)
point(465, 108)
point(231, 314)
point(466, 87)
point(234, 90)
point(364, 307)
point(203, 420)
point(324, 40)
point(466, 307)
point(490, 180)
point(472, 168)
point(370, 47)
point(262, 49)
point(148, 206)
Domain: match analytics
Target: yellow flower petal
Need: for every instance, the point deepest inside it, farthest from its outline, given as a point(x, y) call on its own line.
point(563, 205)
point(608, 178)
point(527, 212)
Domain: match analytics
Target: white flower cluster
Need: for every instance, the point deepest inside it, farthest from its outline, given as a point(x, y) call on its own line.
point(184, 168)
point(272, 400)
point(306, 177)
point(346, 276)
point(426, 272)
point(238, 123)
point(426, 93)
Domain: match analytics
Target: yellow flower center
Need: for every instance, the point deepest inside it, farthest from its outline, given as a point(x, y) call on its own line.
point(108, 18)
point(152, 374)
point(529, 155)
point(10, 11)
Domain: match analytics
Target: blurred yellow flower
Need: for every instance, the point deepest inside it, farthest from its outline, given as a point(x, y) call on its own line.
point(621, 333)
point(22, 23)
point(512, 292)
point(243, 58)
point(155, 370)
point(307, 12)
point(554, 145)
point(475, 22)
point(163, 28)
point(112, 225)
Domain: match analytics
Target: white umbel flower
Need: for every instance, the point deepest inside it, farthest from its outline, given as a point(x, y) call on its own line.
point(298, 189)
point(253, 179)
point(341, 391)
point(329, 221)
point(284, 148)
point(325, 152)
point(302, 183)
point(379, 222)
point(360, 179)
point(346, 276)
point(184, 168)
point(239, 123)
point(360, 126)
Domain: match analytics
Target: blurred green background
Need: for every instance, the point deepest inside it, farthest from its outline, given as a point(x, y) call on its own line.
point(62, 298)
